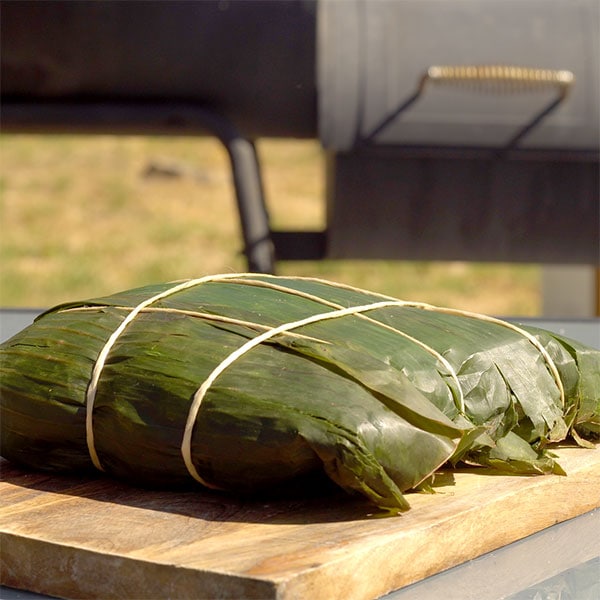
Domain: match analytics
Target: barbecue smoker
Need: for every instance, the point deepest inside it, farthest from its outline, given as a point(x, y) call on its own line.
point(465, 129)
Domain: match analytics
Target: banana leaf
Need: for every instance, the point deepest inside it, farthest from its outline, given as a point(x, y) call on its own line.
point(245, 383)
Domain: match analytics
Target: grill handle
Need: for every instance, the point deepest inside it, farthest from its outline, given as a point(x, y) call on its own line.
point(491, 78)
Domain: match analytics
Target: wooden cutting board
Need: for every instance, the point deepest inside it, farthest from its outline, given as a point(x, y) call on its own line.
point(100, 539)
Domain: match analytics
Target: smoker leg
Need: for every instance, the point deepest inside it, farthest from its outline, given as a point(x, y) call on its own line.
point(258, 246)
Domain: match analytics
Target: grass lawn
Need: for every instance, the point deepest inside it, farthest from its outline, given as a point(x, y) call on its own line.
point(87, 216)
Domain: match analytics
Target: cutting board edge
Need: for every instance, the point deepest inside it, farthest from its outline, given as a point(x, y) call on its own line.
point(66, 561)
point(307, 584)
point(303, 584)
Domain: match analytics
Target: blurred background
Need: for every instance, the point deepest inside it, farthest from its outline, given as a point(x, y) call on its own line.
point(108, 181)
point(85, 216)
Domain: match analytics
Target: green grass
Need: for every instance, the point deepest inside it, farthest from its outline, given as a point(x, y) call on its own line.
point(79, 218)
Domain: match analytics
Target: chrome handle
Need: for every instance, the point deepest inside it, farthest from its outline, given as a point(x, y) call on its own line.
point(495, 78)
point(500, 77)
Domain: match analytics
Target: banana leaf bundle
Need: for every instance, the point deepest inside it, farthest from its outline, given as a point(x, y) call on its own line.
point(244, 382)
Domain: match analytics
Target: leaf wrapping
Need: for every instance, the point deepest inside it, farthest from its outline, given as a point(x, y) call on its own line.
point(378, 398)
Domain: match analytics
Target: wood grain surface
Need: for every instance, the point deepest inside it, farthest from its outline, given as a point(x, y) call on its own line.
point(96, 538)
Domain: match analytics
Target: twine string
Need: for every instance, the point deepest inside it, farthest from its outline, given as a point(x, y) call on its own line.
point(270, 332)
point(186, 444)
point(92, 388)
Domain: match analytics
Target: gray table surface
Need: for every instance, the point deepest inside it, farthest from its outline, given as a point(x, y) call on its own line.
point(558, 563)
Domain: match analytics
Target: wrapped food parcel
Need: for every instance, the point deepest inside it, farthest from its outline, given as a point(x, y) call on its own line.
point(245, 382)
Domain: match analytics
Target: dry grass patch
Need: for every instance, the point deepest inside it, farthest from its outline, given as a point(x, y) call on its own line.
point(86, 216)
